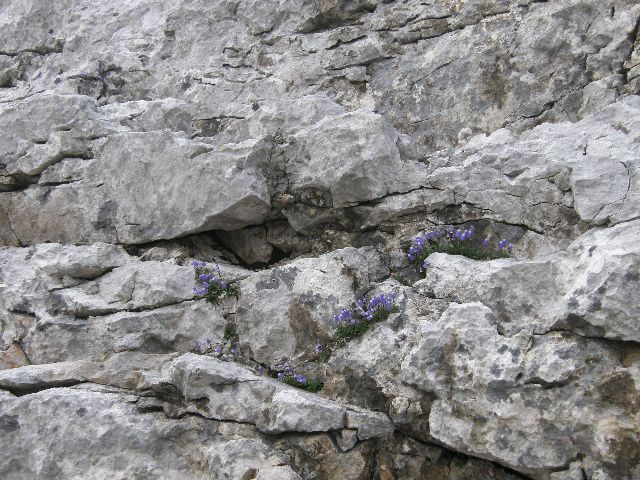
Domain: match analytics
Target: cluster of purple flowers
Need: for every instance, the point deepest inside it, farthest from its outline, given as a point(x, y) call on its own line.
point(366, 309)
point(420, 242)
point(451, 234)
point(286, 372)
point(345, 316)
point(505, 245)
point(456, 241)
point(207, 279)
point(460, 235)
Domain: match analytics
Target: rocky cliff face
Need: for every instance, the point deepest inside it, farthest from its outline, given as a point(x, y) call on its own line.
point(302, 145)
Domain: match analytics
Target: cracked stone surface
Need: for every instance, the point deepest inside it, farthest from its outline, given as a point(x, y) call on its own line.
point(301, 145)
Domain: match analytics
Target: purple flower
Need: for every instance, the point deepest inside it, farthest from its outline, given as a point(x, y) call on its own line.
point(217, 350)
point(485, 242)
point(197, 346)
point(502, 243)
point(209, 342)
point(318, 347)
point(224, 284)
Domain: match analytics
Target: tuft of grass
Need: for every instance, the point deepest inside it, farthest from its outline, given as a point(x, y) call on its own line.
point(312, 386)
point(324, 356)
point(230, 332)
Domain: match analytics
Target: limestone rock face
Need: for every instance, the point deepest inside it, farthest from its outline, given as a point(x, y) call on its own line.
point(283, 312)
point(298, 147)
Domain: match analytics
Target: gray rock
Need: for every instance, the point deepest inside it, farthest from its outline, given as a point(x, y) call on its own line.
point(352, 158)
point(585, 289)
point(250, 244)
point(115, 206)
point(161, 330)
point(108, 427)
point(303, 127)
point(283, 311)
point(236, 394)
point(541, 178)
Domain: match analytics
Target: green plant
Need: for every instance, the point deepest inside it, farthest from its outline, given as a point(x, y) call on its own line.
point(212, 286)
point(349, 330)
point(402, 280)
point(312, 386)
point(230, 332)
point(454, 242)
point(285, 374)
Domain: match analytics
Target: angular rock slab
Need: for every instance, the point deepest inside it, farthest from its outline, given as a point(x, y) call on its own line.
point(102, 434)
point(148, 186)
point(539, 178)
point(353, 157)
point(168, 329)
point(27, 273)
point(604, 284)
point(578, 398)
point(63, 303)
point(236, 394)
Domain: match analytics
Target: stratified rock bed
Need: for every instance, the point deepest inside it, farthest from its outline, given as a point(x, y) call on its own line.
point(301, 145)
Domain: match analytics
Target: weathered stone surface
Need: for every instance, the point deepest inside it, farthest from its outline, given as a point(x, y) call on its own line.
point(353, 157)
point(161, 330)
point(248, 132)
point(234, 393)
point(27, 273)
point(53, 311)
point(553, 173)
point(107, 426)
point(603, 284)
point(250, 244)
point(576, 290)
point(283, 311)
point(190, 188)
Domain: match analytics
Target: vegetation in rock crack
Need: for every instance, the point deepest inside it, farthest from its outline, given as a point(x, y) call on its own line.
point(286, 374)
point(401, 279)
point(323, 353)
point(454, 242)
point(217, 349)
point(230, 332)
point(210, 284)
point(352, 323)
